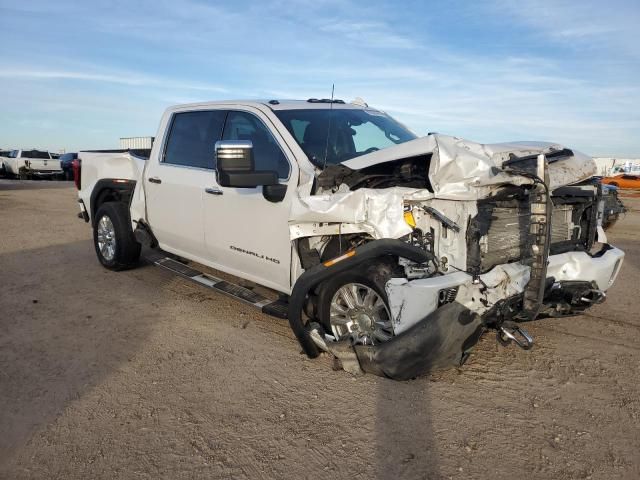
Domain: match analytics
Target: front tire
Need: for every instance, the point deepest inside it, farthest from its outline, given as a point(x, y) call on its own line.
point(113, 238)
point(353, 304)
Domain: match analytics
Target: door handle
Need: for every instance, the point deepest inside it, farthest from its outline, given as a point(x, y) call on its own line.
point(213, 191)
point(155, 180)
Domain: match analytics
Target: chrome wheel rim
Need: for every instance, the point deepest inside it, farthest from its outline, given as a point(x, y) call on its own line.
point(106, 238)
point(357, 311)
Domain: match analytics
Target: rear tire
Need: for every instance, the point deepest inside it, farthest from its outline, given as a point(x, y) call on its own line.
point(113, 239)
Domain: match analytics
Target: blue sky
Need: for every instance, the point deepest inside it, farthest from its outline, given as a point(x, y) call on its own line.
point(82, 74)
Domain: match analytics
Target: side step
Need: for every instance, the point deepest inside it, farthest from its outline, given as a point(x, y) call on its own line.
point(275, 308)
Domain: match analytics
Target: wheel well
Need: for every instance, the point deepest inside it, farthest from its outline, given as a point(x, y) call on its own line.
point(109, 190)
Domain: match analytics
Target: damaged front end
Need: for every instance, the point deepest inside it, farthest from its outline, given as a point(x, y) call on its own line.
point(478, 237)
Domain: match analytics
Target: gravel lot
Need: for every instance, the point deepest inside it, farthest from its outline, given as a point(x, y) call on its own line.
point(140, 374)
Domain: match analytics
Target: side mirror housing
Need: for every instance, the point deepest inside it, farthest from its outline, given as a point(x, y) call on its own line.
point(236, 166)
point(235, 155)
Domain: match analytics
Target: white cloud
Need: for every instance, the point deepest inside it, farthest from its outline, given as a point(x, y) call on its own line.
point(552, 70)
point(368, 34)
point(118, 77)
point(612, 26)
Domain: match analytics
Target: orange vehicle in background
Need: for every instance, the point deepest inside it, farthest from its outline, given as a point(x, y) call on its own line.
point(624, 180)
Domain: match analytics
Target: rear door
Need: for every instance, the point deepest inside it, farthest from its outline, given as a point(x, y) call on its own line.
point(175, 181)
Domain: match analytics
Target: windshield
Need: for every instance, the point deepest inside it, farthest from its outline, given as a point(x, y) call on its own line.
point(342, 134)
point(14, 154)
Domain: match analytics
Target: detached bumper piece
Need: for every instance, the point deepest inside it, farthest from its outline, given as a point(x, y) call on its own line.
point(442, 339)
point(510, 332)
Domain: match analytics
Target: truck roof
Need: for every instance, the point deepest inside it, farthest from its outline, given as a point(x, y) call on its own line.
point(275, 104)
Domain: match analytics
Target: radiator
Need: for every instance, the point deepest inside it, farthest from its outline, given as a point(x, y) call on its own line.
point(506, 240)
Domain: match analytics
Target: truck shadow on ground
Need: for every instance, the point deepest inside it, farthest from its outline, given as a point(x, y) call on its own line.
point(405, 441)
point(60, 334)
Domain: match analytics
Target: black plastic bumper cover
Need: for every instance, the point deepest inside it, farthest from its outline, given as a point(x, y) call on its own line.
point(440, 340)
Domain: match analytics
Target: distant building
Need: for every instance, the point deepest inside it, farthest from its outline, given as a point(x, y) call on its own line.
point(611, 165)
point(136, 143)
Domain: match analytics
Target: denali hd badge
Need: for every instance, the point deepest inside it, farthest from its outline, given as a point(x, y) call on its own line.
point(258, 255)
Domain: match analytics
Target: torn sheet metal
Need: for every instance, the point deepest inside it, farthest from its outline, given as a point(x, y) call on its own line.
point(571, 266)
point(458, 170)
point(378, 212)
point(464, 170)
point(502, 282)
point(450, 246)
point(411, 301)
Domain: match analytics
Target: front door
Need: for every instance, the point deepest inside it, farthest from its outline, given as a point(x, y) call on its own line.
point(246, 234)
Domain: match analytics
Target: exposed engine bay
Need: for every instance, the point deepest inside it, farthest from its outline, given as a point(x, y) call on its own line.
point(511, 232)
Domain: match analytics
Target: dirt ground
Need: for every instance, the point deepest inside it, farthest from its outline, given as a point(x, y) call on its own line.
point(140, 374)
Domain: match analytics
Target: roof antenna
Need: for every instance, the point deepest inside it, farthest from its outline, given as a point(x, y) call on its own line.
point(326, 146)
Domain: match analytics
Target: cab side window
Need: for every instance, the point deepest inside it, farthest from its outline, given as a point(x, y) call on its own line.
point(266, 151)
point(192, 138)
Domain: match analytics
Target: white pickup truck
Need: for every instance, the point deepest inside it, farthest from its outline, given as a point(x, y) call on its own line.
point(31, 163)
point(392, 252)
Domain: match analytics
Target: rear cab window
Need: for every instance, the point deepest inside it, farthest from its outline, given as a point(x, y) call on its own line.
point(36, 154)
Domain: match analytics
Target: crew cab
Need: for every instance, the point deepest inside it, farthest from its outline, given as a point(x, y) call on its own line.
point(31, 163)
point(393, 252)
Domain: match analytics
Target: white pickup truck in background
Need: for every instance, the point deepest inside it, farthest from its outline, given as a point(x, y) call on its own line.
point(394, 253)
point(31, 163)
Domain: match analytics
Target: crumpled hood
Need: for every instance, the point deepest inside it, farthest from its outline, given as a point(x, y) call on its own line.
point(465, 170)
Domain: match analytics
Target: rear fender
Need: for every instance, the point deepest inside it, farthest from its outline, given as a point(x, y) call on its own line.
point(110, 190)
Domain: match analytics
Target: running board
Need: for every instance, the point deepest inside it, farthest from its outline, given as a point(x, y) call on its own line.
point(275, 308)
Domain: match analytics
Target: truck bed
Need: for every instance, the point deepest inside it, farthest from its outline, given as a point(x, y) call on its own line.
point(107, 166)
